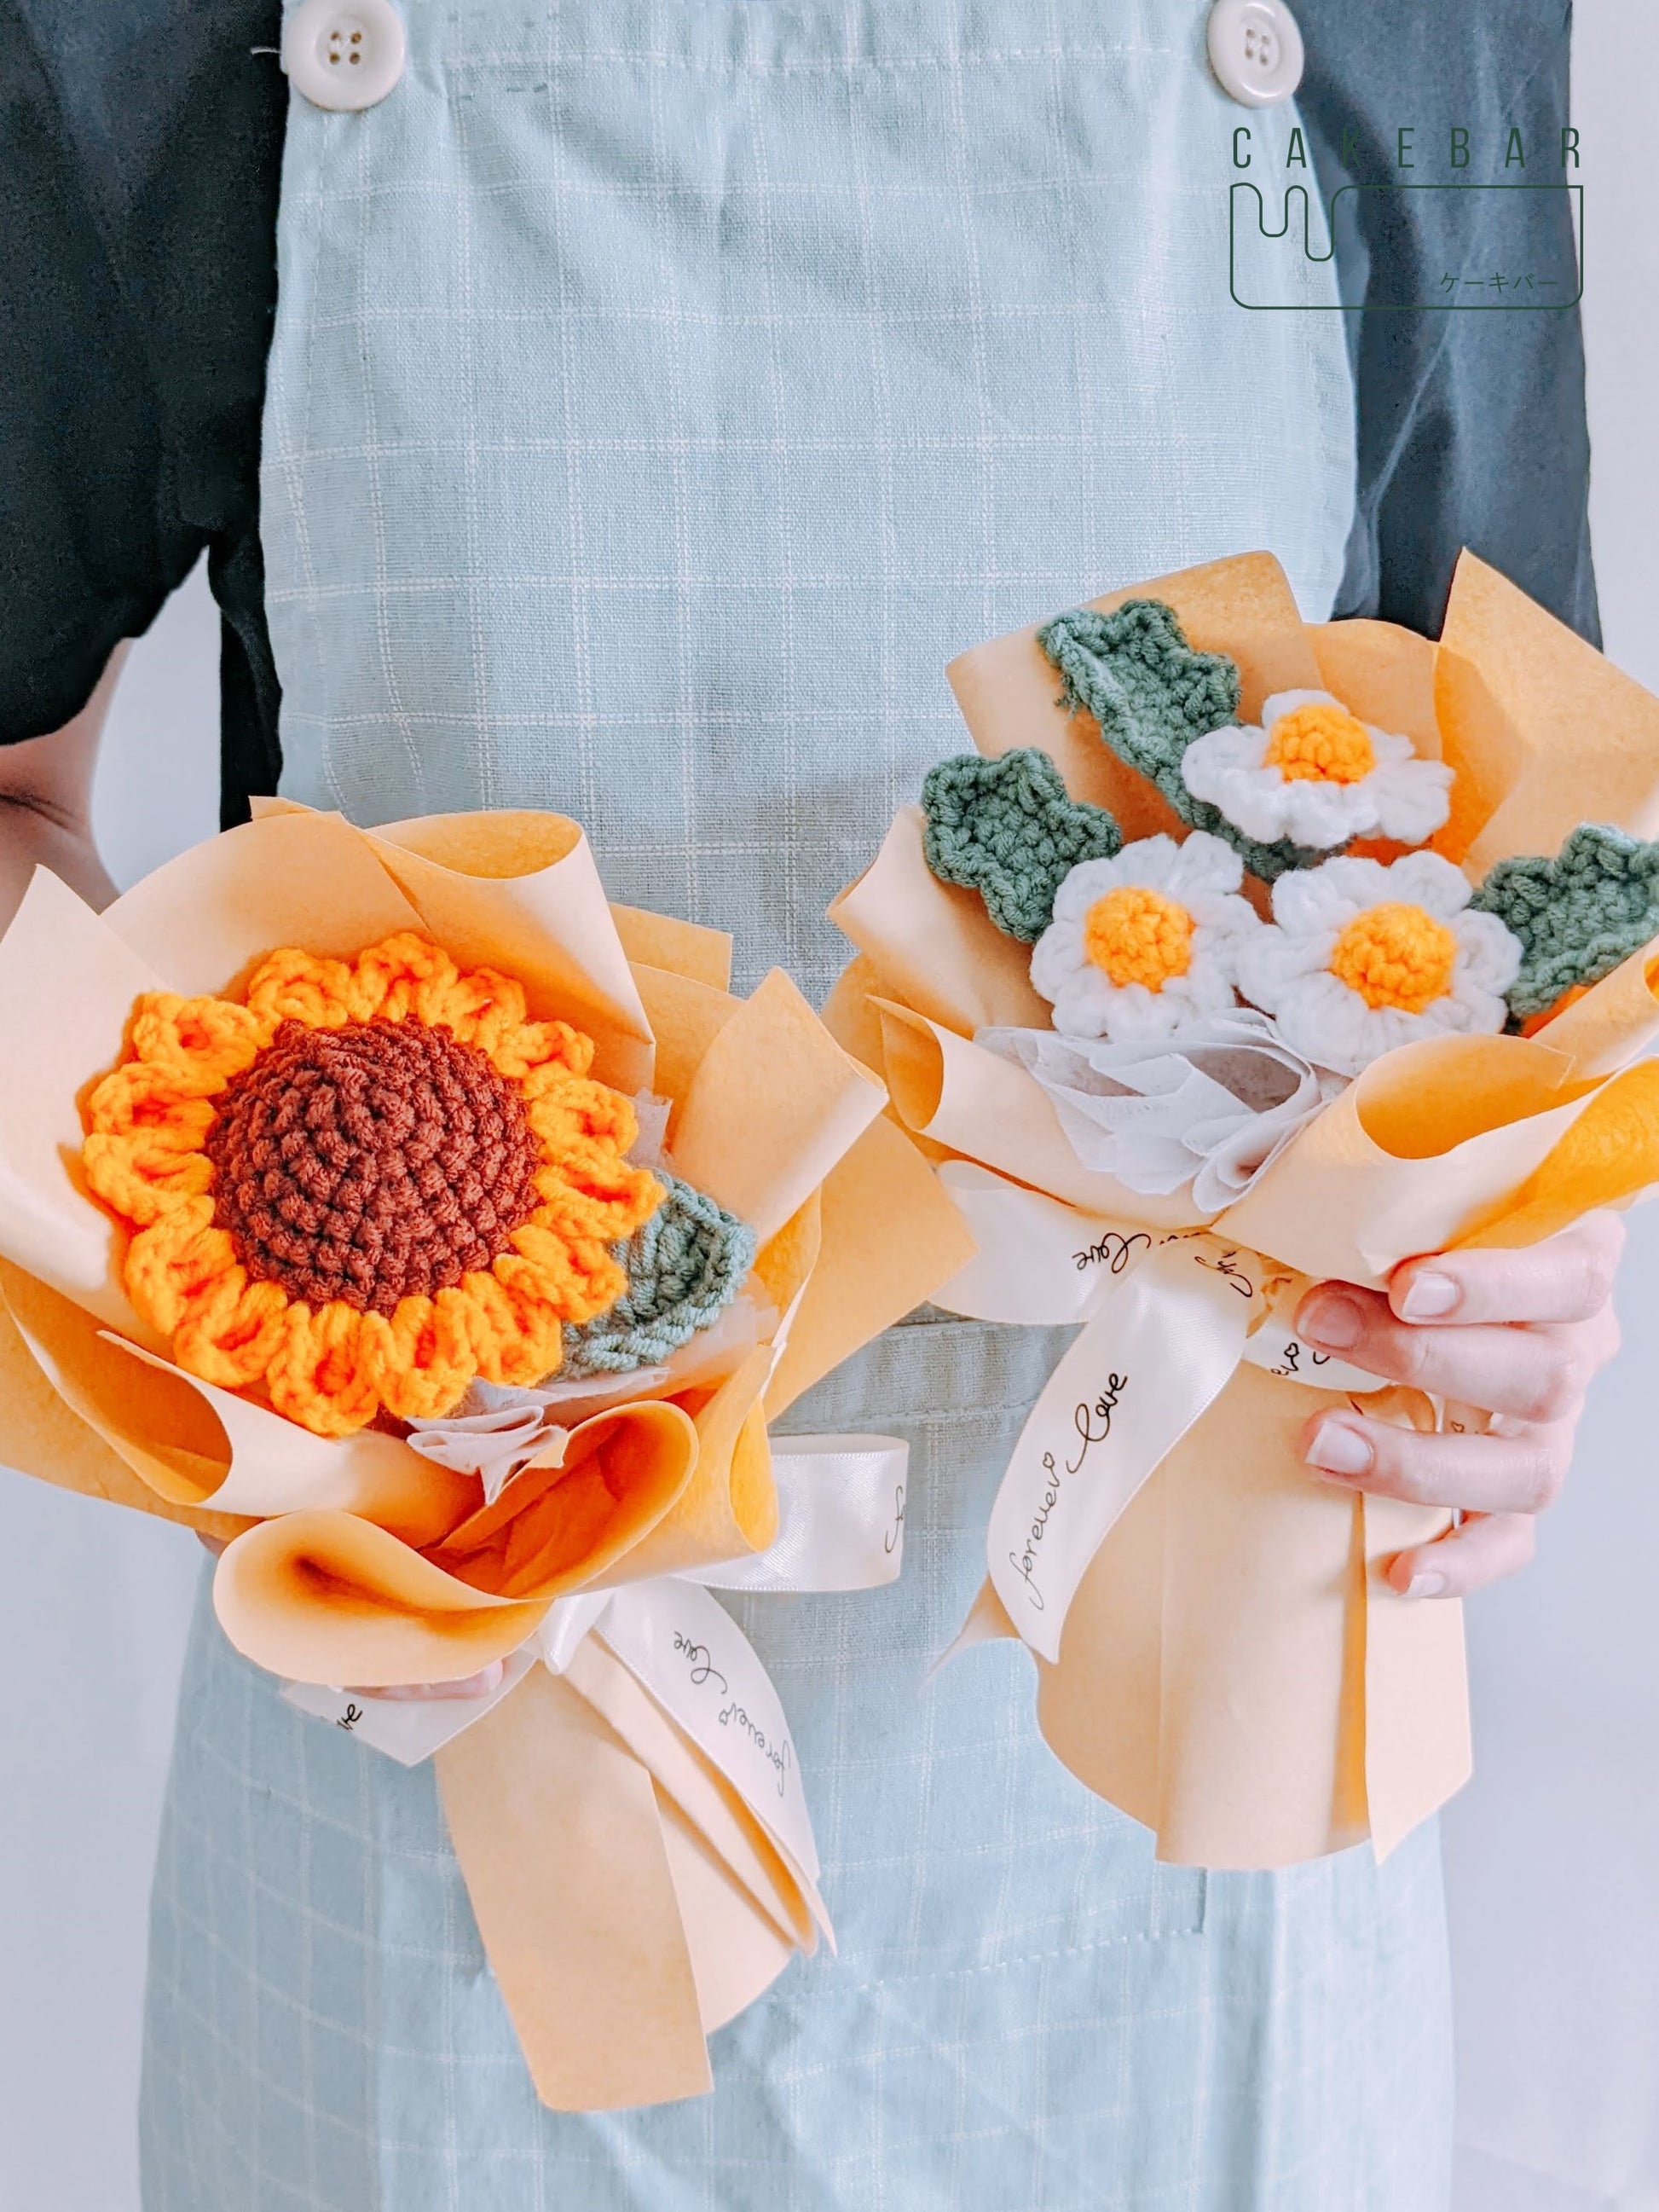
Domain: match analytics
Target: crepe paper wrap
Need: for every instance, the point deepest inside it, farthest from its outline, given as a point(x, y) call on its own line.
point(1206, 1112)
point(841, 1527)
point(361, 1556)
point(1151, 696)
point(672, 1673)
point(1006, 830)
point(1219, 1651)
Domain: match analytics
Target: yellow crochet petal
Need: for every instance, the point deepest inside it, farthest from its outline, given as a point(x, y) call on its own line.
point(592, 1192)
point(148, 1095)
point(518, 1324)
point(590, 1105)
point(232, 1330)
point(442, 1000)
point(210, 1032)
point(146, 1173)
point(169, 1265)
point(522, 1050)
point(320, 1374)
point(576, 1274)
point(390, 977)
point(575, 1114)
point(482, 1005)
point(293, 985)
point(421, 1357)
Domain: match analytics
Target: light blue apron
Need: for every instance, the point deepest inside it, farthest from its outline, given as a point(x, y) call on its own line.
point(662, 391)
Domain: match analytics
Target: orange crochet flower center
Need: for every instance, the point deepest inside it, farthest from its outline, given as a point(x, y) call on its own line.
point(1319, 743)
point(372, 1183)
point(1395, 956)
point(1134, 935)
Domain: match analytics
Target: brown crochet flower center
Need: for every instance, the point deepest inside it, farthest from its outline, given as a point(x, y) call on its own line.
point(372, 1163)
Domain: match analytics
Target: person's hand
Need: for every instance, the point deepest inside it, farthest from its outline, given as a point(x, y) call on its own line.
point(1520, 1333)
point(469, 1686)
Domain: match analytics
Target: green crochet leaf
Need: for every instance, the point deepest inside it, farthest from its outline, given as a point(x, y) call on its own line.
point(1576, 916)
point(1151, 695)
point(1008, 830)
point(685, 1265)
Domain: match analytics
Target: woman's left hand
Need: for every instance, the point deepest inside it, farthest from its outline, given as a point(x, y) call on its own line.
point(1519, 1333)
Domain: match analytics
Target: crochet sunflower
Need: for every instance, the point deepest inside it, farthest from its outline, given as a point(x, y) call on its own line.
point(369, 1183)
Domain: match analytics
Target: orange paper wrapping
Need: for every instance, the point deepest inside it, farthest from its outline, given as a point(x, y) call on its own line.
point(356, 1559)
point(1235, 1671)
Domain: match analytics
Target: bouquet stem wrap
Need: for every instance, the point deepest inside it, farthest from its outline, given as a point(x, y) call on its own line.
point(637, 1872)
point(1219, 1651)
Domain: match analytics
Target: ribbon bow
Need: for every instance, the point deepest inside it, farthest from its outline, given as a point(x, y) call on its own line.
point(641, 1729)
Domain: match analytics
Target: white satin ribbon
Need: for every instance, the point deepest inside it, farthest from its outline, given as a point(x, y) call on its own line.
point(841, 1527)
point(703, 1670)
point(1039, 1260)
point(686, 1650)
point(1168, 1316)
point(1149, 1364)
point(408, 1730)
point(841, 1519)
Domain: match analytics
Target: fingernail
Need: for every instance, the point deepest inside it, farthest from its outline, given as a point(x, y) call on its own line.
point(1329, 1318)
point(1337, 1449)
point(1426, 1586)
point(1430, 1298)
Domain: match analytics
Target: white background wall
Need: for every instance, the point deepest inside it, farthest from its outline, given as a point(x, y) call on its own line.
point(84, 1755)
point(1553, 1851)
point(1553, 1854)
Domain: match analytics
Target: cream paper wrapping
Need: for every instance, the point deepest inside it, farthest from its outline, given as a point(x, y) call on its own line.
point(1232, 1668)
point(608, 1860)
point(674, 1678)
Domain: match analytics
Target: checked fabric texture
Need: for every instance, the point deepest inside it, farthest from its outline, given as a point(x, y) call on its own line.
point(661, 392)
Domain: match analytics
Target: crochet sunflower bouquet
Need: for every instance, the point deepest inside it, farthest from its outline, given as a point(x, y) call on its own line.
point(1241, 954)
point(442, 1240)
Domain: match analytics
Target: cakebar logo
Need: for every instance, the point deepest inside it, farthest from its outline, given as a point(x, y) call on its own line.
point(1494, 246)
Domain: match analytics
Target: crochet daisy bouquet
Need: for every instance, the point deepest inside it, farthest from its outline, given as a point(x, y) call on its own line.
point(1241, 954)
point(442, 1240)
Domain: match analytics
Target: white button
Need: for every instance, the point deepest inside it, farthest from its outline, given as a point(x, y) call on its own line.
point(1256, 49)
point(343, 53)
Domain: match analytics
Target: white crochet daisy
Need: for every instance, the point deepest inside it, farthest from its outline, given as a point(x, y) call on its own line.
point(1361, 957)
point(1317, 774)
point(1141, 944)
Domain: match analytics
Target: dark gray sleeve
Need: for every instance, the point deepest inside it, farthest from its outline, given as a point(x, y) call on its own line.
point(87, 548)
point(140, 145)
point(1472, 424)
